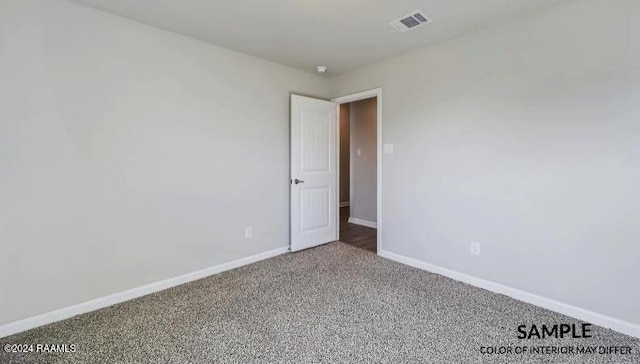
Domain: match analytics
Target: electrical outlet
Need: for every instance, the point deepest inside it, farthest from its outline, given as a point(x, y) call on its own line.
point(358, 152)
point(475, 248)
point(248, 231)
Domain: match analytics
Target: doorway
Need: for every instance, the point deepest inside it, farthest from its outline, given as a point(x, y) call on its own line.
point(315, 173)
point(359, 167)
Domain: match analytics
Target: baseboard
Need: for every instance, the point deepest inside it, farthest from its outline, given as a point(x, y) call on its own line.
point(595, 318)
point(102, 302)
point(366, 223)
point(344, 204)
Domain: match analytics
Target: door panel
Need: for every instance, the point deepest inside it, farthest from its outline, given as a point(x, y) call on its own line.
point(314, 208)
point(314, 166)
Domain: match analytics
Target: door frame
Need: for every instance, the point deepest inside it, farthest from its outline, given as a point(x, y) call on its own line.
point(376, 92)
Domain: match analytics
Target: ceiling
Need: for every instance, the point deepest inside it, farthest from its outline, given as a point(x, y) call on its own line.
point(341, 34)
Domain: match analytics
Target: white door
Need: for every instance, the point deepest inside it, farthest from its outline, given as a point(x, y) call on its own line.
point(314, 176)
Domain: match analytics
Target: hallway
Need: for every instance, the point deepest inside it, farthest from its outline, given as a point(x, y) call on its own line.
point(356, 235)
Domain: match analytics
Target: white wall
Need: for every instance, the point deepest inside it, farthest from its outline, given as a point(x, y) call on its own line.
point(526, 138)
point(364, 127)
point(130, 155)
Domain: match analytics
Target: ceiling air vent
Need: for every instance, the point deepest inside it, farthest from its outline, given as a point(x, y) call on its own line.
point(411, 21)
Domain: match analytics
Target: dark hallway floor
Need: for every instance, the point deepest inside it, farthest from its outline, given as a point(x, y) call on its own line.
point(356, 235)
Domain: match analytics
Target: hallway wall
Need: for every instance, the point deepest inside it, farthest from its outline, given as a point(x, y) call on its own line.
point(345, 152)
point(363, 158)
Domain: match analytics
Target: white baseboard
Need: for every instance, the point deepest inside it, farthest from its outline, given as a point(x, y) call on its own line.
point(344, 204)
point(595, 318)
point(366, 223)
point(98, 303)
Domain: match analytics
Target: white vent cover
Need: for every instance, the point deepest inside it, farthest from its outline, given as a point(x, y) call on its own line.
point(411, 21)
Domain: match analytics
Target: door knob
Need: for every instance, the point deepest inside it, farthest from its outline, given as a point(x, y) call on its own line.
point(298, 181)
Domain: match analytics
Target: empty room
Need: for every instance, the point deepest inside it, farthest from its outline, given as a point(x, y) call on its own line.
point(319, 181)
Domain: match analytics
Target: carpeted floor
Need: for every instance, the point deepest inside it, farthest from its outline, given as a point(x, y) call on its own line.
point(332, 304)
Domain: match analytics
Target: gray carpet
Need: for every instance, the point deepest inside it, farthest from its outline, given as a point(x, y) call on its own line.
point(332, 304)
